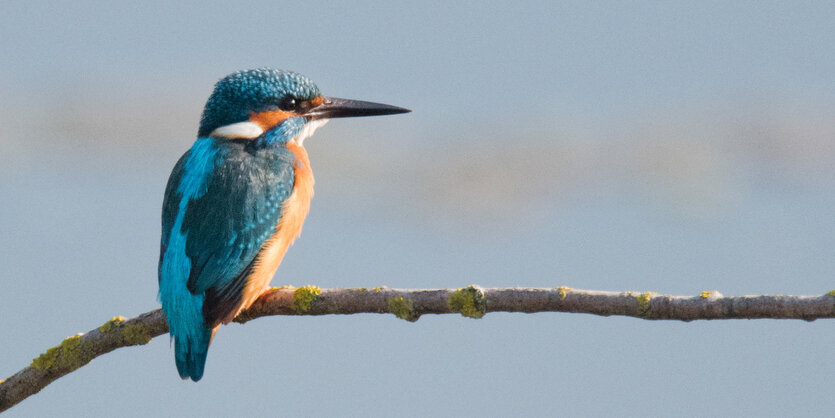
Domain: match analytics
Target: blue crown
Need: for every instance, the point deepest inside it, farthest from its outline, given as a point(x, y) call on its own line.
point(238, 94)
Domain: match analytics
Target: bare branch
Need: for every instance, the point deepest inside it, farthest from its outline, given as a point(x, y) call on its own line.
point(410, 304)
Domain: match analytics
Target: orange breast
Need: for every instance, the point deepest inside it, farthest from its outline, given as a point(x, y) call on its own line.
point(294, 211)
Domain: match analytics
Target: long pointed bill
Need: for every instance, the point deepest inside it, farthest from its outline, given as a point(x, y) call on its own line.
point(334, 107)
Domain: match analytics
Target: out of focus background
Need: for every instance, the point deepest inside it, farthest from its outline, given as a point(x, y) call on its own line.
point(672, 147)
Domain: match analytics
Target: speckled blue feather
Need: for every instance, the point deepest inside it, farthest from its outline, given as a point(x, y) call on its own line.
point(240, 93)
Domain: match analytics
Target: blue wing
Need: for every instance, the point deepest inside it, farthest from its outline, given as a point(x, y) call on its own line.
point(227, 218)
point(222, 203)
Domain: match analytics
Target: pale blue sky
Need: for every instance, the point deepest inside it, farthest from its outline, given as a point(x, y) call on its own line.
point(665, 146)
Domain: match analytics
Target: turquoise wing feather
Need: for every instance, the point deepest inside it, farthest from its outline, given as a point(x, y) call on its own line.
point(222, 202)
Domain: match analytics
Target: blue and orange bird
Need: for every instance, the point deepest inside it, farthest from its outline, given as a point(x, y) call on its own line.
point(237, 199)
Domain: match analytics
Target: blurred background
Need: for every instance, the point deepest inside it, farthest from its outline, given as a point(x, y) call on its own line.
point(672, 147)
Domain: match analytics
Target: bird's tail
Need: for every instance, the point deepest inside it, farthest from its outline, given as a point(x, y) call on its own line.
point(190, 353)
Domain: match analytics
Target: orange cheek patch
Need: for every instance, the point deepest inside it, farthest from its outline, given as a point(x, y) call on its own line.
point(267, 120)
point(318, 100)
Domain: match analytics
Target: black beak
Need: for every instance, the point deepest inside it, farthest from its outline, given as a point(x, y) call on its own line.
point(334, 107)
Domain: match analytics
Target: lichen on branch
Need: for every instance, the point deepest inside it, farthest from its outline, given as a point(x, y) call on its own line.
point(409, 304)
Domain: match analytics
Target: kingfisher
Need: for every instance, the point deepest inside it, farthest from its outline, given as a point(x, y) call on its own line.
point(237, 200)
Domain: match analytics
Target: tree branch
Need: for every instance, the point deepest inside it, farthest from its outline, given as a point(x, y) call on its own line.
point(410, 304)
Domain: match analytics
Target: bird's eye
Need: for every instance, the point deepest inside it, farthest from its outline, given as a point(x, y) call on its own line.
point(288, 104)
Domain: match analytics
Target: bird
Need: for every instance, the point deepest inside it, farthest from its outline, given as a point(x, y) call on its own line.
point(237, 199)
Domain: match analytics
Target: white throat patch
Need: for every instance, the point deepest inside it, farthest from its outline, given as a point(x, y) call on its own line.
point(309, 129)
point(248, 130)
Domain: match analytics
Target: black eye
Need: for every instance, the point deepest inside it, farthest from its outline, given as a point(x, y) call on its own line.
point(288, 104)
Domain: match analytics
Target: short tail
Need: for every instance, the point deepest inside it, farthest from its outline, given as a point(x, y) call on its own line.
point(190, 354)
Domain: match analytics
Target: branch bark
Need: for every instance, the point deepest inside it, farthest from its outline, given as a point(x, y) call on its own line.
point(410, 304)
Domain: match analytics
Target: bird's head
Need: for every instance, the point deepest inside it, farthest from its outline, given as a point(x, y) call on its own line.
point(282, 104)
